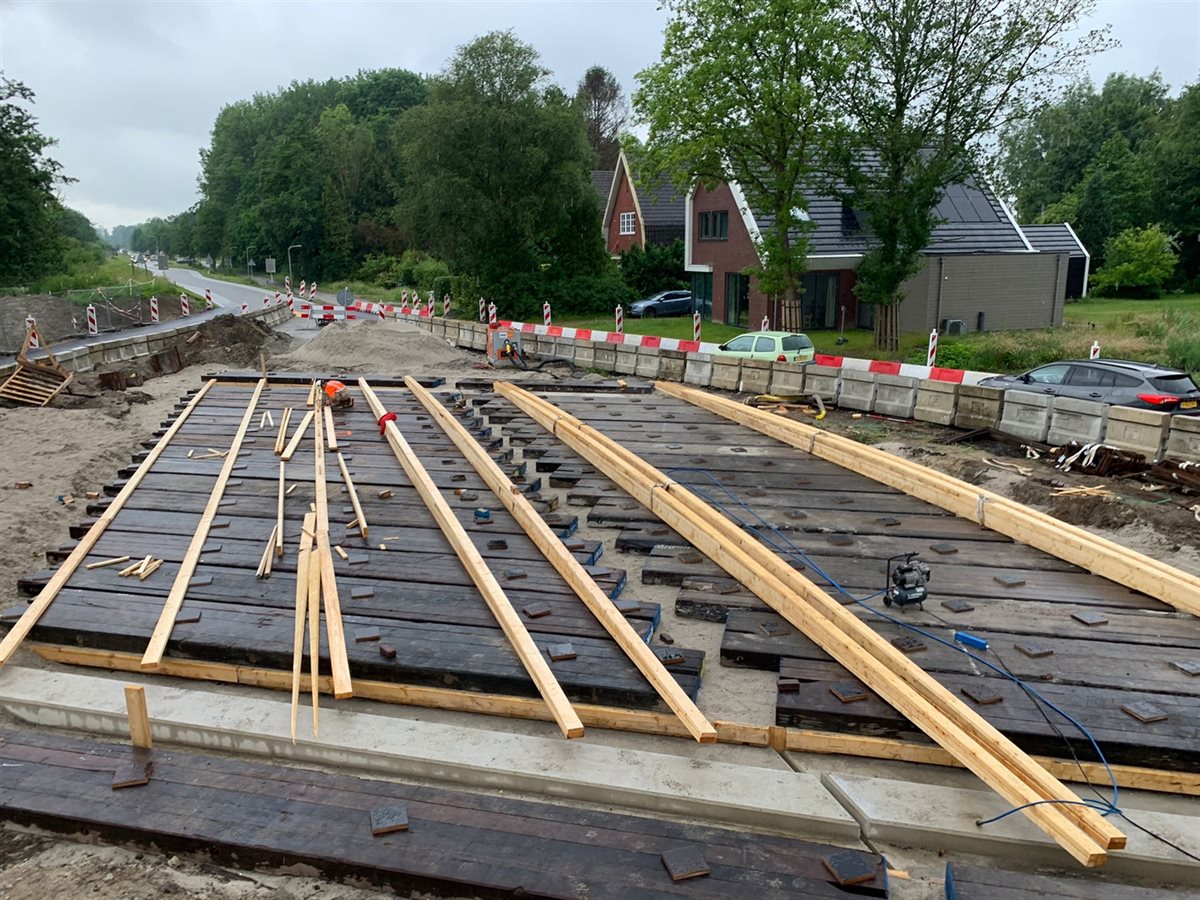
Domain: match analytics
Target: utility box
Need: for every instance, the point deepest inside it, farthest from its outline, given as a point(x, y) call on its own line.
point(503, 346)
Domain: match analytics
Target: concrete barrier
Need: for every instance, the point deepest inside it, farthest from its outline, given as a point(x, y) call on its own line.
point(1183, 441)
point(755, 377)
point(1026, 415)
point(822, 381)
point(787, 379)
point(856, 390)
point(1077, 420)
point(585, 354)
point(937, 401)
point(648, 361)
point(726, 373)
point(698, 370)
point(978, 407)
point(896, 395)
point(464, 338)
point(606, 357)
point(671, 365)
point(1140, 430)
point(450, 329)
point(626, 360)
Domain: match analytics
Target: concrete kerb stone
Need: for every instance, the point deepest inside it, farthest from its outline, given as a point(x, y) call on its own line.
point(1072, 419)
point(979, 407)
point(787, 379)
point(1026, 415)
point(755, 376)
point(896, 395)
point(1143, 431)
point(1183, 441)
point(726, 373)
point(856, 390)
point(937, 401)
point(648, 361)
point(776, 799)
point(698, 369)
point(928, 815)
point(626, 361)
point(823, 382)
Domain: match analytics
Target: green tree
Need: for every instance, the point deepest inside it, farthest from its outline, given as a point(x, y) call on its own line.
point(1176, 161)
point(1137, 262)
point(658, 267)
point(933, 81)
point(605, 112)
point(744, 93)
point(1116, 194)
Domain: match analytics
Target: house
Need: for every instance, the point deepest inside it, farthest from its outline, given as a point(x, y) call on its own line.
point(602, 180)
point(1062, 239)
point(636, 215)
point(981, 273)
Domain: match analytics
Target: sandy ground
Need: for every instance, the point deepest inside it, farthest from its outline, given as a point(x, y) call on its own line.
point(73, 450)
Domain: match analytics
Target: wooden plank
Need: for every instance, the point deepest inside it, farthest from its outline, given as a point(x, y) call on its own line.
point(331, 443)
point(283, 424)
point(514, 629)
point(343, 686)
point(940, 714)
point(359, 516)
point(566, 565)
point(162, 631)
point(298, 436)
point(139, 720)
point(279, 513)
point(313, 583)
point(302, 570)
point(46, 596)
point(1068, 542)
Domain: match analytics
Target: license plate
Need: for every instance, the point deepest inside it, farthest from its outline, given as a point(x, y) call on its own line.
point(1188, 404)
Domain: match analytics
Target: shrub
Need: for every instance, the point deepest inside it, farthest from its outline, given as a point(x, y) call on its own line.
point(1137, 262)
point(657, 268)
point(426, 271)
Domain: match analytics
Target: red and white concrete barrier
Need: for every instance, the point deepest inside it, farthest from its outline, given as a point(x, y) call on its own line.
point(92, 325)
point(185, 306)
point(154, 310)
point(278, 299)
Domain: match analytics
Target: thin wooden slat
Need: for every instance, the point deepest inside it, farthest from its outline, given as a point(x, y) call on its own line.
point(330, 431)
point(990, 755)
point(139, 719)
point(47, 594)
point(107, 562)
point(281, 437)
point(294, 443)
point(569, 568)
point(279, 512)
point(510, 623)
point(313, 581)
point(360, 518)
point(166, 623)
point(301, 615)
point(343, 687)
point(1028, 526)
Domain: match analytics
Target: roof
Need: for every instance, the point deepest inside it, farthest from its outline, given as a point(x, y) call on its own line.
point(602, 180)
point(972, 220)
point(662, 209)
point(1058, 238)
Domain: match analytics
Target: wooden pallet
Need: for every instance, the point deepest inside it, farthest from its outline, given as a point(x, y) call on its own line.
point(35, 382)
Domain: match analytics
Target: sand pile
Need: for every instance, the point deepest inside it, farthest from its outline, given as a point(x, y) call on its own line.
point(380, 347)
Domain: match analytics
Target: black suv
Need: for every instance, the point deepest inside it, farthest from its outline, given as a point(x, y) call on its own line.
point(1120, 382)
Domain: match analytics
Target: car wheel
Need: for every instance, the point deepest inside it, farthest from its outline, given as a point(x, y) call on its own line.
point(649, 313)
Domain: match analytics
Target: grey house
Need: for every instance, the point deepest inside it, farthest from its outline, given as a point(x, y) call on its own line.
point(1061, 239)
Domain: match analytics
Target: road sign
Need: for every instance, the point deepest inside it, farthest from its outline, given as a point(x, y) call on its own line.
point(270, 262)
point(345, 297)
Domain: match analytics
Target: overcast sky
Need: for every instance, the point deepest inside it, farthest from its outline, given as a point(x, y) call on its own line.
point(131, 89)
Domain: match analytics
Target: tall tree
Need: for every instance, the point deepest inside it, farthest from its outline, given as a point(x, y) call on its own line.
point(1116, 194)
point(744, 93)
point(605, 113)
point(1176, 161)
point(933, 81)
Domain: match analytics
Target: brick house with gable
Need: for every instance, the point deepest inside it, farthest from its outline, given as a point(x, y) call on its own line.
point(640, 215)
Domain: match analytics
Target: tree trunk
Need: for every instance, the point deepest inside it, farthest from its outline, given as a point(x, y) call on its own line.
point(887, 327)
point(791, 314)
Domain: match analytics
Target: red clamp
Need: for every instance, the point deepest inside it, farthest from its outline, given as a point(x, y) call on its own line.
point(383, 420)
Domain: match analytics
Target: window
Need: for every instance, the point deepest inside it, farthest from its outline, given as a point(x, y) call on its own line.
point(743, 343)
point(714, 226)
point(1175, 384)
point(1090, 376)
point(628, 223)
point(1049, 374)
point(794, 342)
point(737, 299)
point(764, 345)
point(702, 288)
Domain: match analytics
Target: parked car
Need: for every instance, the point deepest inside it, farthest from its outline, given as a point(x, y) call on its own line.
point(1119, 382)
point(664, 303)
point(773, 346)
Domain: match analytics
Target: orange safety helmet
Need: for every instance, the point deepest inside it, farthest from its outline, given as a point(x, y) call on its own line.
point(333, 388)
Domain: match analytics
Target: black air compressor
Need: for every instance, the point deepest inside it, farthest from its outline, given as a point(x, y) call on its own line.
point(906, 581)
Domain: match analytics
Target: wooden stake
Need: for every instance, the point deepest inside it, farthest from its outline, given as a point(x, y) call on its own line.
point(339, 664)
point(360, 517)
point(139, 720)
point(301, 616)
point(166, 621)
point(531, 657)
point(107, 562)
point(297, 436)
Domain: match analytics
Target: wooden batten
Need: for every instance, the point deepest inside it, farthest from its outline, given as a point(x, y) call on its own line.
point(336, 635)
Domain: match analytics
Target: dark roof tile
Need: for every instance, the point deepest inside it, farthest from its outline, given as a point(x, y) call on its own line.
point(1057, 238)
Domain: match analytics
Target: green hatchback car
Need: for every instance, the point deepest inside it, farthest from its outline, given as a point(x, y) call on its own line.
point(771, 346)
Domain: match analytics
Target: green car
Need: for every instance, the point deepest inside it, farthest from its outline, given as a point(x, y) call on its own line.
point(771, 346)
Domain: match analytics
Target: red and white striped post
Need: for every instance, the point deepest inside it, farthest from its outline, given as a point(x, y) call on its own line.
point(546, 314)
point(766, 324)
point(491, 314)
point(1094, 353)
point(245, 308)
point(278, 299)
point(291, 301)
point(185, 307)
point(93, 327)
point(266, 300)
point(445, 306)
point(429, 301)
point(620, 314)
point(482, 309)
point(312, 291)
point(208, 300)
point(404, 301)
point(695, 326)
point(931, 357)
point(154, 310)
point(287, 284)
point(302, 284)
point(31, 330)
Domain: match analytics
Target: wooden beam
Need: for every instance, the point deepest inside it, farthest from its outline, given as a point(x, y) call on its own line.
point(46, 595)
point(139, 720)
point(510, 623)
point(301, 615)
point(343, 687)
point(568, 567)
point(166, 621)
point(360, 517)
point(888, 672)
point(613, 718)
point(1015, 520)
point(281, 437)
point(298, 436)
point(279, 511)
point(314, 635)
point(330, 431)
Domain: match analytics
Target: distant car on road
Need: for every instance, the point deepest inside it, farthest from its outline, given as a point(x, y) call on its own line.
point(664, 303)
point(1119, 382)
point(773, 346)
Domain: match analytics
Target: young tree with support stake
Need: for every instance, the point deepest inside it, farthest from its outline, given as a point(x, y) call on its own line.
point(931, 83)
point(745, 93)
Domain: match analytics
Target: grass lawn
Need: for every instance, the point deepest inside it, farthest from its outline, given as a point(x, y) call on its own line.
point(669, 327)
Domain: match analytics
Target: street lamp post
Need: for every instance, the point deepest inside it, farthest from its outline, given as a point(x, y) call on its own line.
point(249, 274)
point(290, 249)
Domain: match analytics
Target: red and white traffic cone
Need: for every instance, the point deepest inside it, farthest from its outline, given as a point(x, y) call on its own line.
point(185, 307)
point(93, 327)
point(31, 330)
point(620, 313)
point(931, 358)
point(154, 310)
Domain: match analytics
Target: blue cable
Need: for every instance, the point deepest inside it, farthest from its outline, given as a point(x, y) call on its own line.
point(771, 535)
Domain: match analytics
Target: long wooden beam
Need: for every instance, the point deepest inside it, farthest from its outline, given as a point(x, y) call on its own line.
point(359, 516)
point(639, 721)
point(888, 672)
point(302, 571)
point(46, 595)
point(1028, 526)
point(568, 567)
point(166, 620)
point(514, 629)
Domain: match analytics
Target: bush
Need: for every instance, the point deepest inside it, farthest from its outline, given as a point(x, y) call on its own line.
point(521, 295)
point(426, 271)
point(1137, 263)
point(657, 268)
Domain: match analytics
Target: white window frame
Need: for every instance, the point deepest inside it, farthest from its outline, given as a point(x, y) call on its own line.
point(628, 223)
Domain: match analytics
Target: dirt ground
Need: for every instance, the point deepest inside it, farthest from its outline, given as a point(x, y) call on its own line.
point(78, 444)
point(58, 318)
